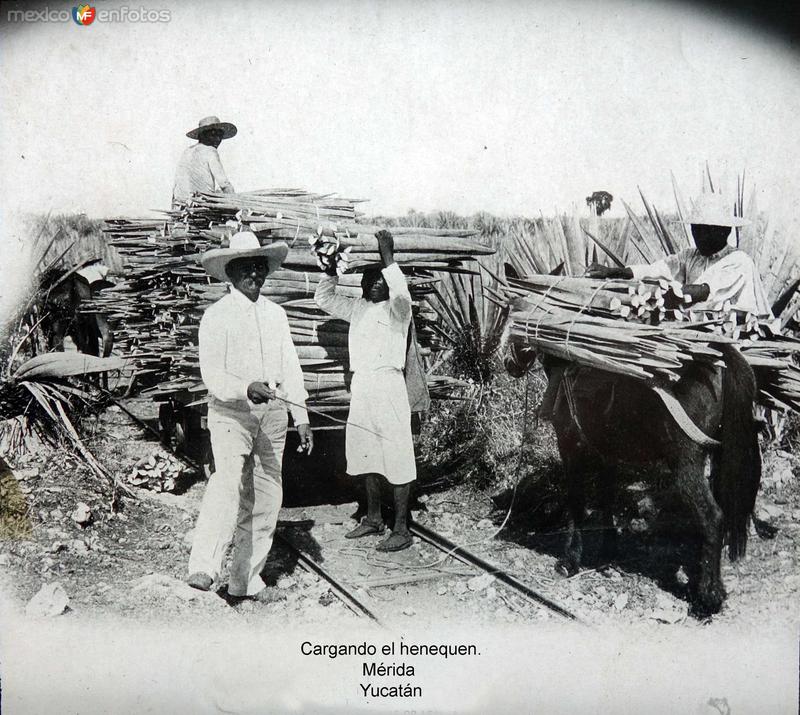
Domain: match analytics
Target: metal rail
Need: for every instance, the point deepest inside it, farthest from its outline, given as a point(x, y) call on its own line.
point(340, 591)
point(444, 544)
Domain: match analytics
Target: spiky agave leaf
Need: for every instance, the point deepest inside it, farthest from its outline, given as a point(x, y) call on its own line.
point(471, 324)
point(38, 399)
point(53, 399)
point(58, 365)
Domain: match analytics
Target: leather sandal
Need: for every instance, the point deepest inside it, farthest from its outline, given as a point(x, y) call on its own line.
point(395, 542)
point(365, 528)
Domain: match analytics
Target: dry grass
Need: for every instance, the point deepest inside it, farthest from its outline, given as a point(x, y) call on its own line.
point(489, 439)
point(73, 238)
point(14, 510)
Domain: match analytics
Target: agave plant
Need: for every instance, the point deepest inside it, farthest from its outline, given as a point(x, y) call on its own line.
point(470, 322)
point(449, 219)
point(39, 397)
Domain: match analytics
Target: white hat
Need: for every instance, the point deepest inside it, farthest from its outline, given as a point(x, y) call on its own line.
point(712, 210)
point(228, 130)
point(244, 244)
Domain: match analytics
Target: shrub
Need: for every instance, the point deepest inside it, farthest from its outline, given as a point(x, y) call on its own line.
point(488, 437)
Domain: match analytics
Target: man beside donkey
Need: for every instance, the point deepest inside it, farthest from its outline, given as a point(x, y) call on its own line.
point(711, 274)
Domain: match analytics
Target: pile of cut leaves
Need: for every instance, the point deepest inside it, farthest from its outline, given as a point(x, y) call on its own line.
point(159, 472)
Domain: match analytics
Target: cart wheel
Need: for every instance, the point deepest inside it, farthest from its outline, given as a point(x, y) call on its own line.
point(188, 433)
point(204, 451)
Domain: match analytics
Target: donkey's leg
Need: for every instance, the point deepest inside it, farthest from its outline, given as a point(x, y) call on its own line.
point(693, 485)
point(606, 493)
point(570, 562)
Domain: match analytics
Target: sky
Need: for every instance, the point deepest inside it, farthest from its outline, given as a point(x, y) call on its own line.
point(506, 107)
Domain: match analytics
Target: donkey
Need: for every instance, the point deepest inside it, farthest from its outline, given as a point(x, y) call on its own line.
point(62, 298)
point(603, 420)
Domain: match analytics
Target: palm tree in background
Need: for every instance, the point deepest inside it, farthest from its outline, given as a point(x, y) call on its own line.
point(599, 202)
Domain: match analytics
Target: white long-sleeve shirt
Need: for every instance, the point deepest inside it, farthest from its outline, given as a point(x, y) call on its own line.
point(378, 331)
point(730, 275)
point(243, 342)
point(199, 169)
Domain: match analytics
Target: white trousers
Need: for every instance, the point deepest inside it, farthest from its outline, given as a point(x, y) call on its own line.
point(243, 496)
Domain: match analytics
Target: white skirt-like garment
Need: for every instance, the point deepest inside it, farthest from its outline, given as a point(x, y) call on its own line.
point(379, 404)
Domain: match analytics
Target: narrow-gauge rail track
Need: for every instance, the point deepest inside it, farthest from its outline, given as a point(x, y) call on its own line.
point(352, 601)
point(449, 548)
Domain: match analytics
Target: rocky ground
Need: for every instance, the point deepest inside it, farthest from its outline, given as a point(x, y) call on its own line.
point(130, 563)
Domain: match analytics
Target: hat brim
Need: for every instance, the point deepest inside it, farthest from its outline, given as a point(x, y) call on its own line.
point(228, 130)
point(216, 259)
point(731, 222)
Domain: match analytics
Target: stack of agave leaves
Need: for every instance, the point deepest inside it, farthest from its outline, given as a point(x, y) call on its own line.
point(589, 322)
point(155, 311)
point(427, 249)
point(567, 244)
point(648, 330)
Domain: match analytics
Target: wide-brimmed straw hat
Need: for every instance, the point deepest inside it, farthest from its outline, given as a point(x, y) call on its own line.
point(712, 210)
point(243, 245)
point(228, 130)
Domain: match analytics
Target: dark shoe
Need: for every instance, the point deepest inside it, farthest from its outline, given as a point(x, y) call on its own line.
point(365, 528)
point(201, 581)
point(395, 542)
point(269, 595)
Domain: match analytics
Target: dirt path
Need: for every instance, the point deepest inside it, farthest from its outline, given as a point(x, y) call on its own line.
point(131, 564)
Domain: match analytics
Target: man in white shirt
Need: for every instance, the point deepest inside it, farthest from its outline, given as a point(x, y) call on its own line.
point(713, 273)
point(200, 168)
point(378, 439)
point(250, 367)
